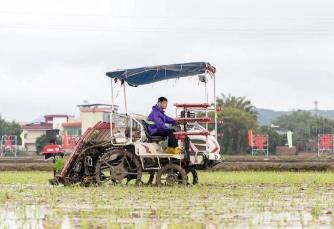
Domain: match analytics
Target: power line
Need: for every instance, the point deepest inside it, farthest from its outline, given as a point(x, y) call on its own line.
point(189, 17)
point(310, 30)
point(316, 109)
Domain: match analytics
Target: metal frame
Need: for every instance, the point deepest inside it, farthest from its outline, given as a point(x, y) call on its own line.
point(126, 108)
point(206, 125)
point(131, 132)
point(160, 156)
point(102, 135)
point(264, 150)
point(321, 150)
point(4, 139)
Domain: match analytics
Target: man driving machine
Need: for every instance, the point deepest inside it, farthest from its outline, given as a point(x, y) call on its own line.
point(160, 127)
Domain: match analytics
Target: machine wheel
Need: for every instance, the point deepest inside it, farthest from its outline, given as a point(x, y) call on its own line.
point(151, 179)
point(118, 166)
point(53, 182)
point(171, 174)
point(192, 176)
point(87, 181)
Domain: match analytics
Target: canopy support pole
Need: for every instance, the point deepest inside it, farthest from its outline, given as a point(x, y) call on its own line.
point(206, 100)
point(215, 106)
point(125, 101)
point(112, 107)
point(206, 113)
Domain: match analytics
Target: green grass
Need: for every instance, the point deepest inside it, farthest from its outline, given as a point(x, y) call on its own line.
point(255, 177)
point(222, 199)
point(25, 177)
point(247, 177)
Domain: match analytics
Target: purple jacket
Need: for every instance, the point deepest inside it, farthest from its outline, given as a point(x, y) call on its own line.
point(159, 118)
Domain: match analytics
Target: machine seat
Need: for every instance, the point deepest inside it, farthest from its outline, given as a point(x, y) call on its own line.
point(150, 137)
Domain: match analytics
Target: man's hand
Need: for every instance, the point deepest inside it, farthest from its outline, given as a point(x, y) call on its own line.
point(177, 128)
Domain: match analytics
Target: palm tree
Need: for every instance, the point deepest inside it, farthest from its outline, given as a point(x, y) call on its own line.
point(240, 103)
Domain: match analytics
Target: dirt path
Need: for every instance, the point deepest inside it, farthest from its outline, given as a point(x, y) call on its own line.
point(302, 162)
point(25, 164)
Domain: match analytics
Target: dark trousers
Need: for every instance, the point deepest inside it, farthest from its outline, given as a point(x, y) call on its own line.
point(172, 142)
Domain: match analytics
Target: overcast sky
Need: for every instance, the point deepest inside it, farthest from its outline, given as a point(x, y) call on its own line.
point(54, 54)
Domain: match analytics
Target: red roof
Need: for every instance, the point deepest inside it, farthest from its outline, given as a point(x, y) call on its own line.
point(95, 109)
point(37, 126)
point(57, 116)
point(71, 124)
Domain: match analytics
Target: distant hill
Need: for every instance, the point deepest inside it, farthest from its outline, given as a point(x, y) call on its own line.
point(267, 116)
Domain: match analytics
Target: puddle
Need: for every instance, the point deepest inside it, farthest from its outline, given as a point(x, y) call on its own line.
point(22, 217)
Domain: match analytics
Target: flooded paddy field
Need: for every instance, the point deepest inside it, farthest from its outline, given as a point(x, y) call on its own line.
point(221, 200)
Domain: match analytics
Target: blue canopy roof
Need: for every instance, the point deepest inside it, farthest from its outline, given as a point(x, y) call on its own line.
point(147, 75)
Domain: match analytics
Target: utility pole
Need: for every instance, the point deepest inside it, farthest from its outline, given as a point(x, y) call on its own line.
point(316, 110)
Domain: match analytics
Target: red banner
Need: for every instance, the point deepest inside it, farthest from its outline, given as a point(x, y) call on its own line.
point(250, 138)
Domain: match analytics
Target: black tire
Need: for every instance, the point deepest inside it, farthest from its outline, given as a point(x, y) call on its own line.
point(192, 176)
point(151, 179)
point(148, 181)
point(131, 168)
point(87, 181)
point(53, 182)
point(175, 176)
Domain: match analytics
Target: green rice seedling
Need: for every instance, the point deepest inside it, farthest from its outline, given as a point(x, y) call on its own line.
point(229, 199)
point(316, 211)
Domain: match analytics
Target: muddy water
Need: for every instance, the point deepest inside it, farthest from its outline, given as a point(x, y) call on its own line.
point(203, 206)
point(22, 216)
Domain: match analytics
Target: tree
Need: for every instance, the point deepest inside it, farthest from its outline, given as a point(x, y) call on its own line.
point(241, 103)
point(239, 115)
point(305, 127)
point(235, 129)
point(275, 139)
point(10, 128)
